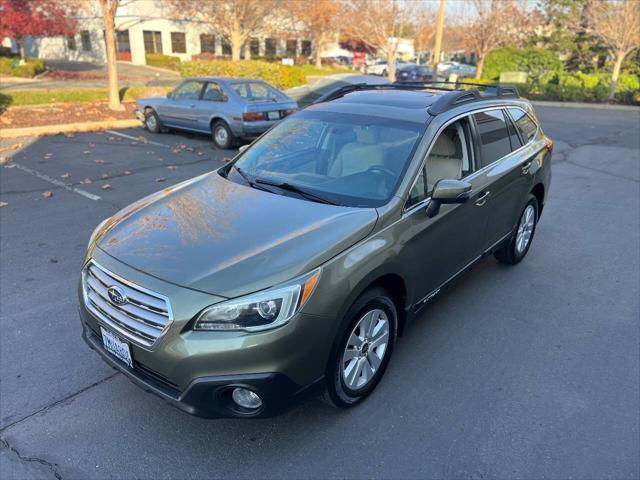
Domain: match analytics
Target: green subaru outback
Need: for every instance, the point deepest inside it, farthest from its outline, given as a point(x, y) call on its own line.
point(293, 269)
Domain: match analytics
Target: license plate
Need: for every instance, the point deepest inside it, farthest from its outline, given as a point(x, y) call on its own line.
point(116, 347)
point(273, 115)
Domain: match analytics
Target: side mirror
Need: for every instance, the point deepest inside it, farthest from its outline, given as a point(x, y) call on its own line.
point(447, 192)
point(242, 148)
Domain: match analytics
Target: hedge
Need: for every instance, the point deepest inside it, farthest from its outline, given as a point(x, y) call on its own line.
point(13, 68)
point(536, 62)
point(281, 76)
point(162, 61)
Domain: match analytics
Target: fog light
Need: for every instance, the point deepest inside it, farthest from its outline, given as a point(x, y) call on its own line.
point(246, 398)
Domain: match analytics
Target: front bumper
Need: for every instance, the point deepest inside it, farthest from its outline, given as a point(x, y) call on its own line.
point(210, 397)
point(139, 114)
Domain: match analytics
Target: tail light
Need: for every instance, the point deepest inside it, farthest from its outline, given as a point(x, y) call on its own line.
point(253, 116)
point(549, 145)
point(290, 111)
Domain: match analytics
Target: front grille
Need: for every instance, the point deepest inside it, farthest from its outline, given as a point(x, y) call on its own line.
point(143, 317)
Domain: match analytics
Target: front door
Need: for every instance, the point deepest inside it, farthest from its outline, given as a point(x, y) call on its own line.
point(181, 109)
point(437, 249)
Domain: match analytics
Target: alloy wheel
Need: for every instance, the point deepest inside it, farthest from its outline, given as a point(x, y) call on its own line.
point(525, 228)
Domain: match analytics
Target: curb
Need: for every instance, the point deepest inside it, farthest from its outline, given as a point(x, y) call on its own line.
point(597, 106)
point(68, 127)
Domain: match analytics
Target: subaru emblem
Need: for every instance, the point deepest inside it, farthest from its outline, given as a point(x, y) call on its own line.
point(117, 295)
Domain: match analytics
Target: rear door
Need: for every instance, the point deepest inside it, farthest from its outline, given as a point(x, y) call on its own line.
point(213, 103)
point(504, 172)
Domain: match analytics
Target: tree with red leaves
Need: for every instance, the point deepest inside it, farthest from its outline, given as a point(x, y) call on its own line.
point(34, 18)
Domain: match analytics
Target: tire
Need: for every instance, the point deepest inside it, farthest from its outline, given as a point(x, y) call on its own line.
point(515, 250)
point(152, 121)
point(345, 386)
point(222, 136)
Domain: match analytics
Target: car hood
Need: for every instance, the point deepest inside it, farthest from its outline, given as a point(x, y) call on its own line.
point(219, 237)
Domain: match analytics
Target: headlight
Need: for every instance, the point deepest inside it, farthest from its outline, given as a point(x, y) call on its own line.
point(260, 311)
point(95, 232)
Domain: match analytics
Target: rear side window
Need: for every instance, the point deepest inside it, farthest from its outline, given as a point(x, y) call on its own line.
point(524, 123)
point(494, 136)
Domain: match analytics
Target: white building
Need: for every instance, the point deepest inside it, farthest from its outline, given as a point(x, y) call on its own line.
point(146, 26)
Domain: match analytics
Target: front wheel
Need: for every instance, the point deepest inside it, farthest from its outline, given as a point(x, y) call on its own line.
point(222, 136)
point(362, 353)
point(518, 246)
point(152, 121)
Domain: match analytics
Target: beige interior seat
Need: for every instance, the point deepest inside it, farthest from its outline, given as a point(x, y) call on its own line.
point(445, 160)
point(358, 156)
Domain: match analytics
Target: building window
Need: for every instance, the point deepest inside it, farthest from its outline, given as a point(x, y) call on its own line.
point(292, 48)
point(226, 47)
point(178, 42)
point(85, 40)
point(207, 43)
point(270, 47)
point(306, 48)
point(71, 43)
point(254, 47)
point(152, 41)
point(122, 41)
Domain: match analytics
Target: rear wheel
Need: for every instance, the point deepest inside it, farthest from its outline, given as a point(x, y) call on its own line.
point(518, 246)
point(152, 121)
point(222, 136)
point(361, 355)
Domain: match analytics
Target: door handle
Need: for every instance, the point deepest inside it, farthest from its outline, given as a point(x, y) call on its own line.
point(526, 167)
point(482, 199)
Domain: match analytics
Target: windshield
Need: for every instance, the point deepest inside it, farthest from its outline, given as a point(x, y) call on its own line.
point(347, 159)
point(256, 92)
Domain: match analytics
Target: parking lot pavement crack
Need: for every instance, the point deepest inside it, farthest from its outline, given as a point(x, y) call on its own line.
point(57, 403)
point(4, 444)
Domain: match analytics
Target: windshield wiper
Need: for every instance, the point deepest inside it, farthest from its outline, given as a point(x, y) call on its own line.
point(246, 178)
point(295, 189)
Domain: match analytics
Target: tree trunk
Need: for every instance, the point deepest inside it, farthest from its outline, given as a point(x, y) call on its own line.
point(319, 43)
point(391, 65)
point(20, 44)
point(236, 40)
point(615, 74)
point(479, 67)
point(109, 8)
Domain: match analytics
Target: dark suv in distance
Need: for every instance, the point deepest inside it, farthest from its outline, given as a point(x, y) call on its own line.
point(293, 269)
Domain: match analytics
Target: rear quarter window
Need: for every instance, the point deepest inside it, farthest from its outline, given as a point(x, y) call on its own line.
point(524, 123)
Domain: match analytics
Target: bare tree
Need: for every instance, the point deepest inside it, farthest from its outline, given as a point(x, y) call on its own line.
point(382, 24)
point(320, 18)
point(617, 24)
point(493, 24)
point(109, 8)
point(236, 20)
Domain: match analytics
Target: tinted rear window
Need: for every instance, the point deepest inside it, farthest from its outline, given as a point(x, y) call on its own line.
point(524, 123)
point(494, 136)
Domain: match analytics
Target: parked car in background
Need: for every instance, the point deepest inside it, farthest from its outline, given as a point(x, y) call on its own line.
point(306, 95)
point(229, 109)
point(292, 269)
point(410, 72)
point(380, 67)
point(457, 68)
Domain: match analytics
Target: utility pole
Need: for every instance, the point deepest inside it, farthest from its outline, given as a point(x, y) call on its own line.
point(438, 45)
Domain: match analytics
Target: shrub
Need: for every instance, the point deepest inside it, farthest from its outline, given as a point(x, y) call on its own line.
point(29, 69)
point(537, 62)
point(162, 61)
point(281, 76)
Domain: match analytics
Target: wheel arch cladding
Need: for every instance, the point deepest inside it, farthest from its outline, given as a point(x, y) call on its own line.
point(538, 192)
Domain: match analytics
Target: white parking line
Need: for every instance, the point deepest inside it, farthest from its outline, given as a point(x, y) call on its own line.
point(58, 183)
point(137, 139)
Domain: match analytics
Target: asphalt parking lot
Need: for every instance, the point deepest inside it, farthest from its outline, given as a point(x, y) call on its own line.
point(515, 372)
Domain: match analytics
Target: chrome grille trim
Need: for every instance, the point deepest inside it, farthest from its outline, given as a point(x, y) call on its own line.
point(143, 319)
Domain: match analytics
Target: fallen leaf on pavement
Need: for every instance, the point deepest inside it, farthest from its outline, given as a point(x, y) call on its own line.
point(106, 186)
point(111, 139)
point(127, 172)
point(171, 167)
point(48, 155)
point(143, 139)
point(176, 150)
point(47, 194)
point(160, 179)
point(86, 151)
point(69, 135)
point(200, 153)
point(86, 181)
point(53, 260)
point(99, 162)
point(65, 175)
point(104, 176)
point(3, 204)
point(11, 165)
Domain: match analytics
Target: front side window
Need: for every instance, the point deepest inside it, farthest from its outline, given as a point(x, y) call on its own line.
point(188, 91)
point(494, 136)
point(178, 42)
point(349, 159)
point(450, 156)
point(524, 123)
point(85, 40)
